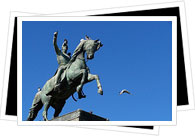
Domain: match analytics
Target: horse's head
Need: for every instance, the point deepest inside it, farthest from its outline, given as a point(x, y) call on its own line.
point(91, 46)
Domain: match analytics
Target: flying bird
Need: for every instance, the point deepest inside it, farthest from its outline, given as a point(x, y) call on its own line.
point(124, 91)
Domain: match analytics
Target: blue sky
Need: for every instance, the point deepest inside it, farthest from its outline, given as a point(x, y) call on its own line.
point(136, 56)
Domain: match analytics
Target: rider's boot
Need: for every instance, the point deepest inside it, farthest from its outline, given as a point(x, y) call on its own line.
point(80, 93)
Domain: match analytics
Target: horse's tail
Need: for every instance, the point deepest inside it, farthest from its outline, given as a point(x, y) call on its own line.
point(36, 106)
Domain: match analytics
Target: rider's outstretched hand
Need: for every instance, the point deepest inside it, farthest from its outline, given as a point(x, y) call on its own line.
point(55, 34)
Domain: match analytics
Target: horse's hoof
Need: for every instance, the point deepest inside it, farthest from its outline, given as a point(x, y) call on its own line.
point(82, 96)
point(100, 91)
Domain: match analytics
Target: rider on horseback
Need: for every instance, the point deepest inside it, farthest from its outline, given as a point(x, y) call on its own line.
point(63, 58)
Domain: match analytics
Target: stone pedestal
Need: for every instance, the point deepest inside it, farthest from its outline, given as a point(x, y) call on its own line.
point(79, 115)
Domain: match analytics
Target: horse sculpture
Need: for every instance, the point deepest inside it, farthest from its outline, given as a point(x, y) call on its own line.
point(75, 75)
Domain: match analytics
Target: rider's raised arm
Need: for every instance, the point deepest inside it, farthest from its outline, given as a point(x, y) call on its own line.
point(57, 50)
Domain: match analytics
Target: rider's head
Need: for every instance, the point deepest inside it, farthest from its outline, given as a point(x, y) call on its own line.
point(65, 46)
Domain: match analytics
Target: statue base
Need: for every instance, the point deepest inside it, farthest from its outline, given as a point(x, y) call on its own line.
point(79, 115)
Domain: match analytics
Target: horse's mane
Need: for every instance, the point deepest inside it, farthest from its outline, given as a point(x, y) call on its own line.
point(76, 52)
point(78, 48)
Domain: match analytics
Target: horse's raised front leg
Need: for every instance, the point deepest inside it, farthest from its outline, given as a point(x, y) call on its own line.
point(95, 77)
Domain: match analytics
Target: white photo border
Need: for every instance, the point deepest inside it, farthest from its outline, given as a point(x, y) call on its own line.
point(97, 123)
point(14, 14)
point(129, 129)
point(156, 6)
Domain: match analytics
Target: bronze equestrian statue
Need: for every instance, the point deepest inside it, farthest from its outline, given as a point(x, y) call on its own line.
point(72, 77)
